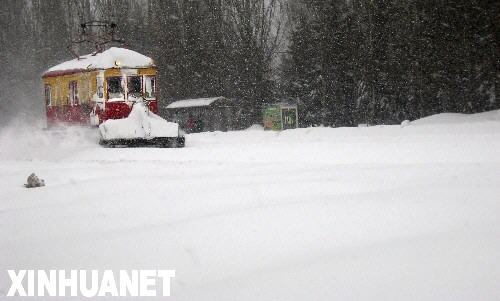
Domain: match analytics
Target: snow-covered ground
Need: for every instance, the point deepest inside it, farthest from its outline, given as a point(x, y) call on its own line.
point(372, 213)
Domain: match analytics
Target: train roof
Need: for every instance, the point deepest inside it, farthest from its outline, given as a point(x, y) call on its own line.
point(113, 57)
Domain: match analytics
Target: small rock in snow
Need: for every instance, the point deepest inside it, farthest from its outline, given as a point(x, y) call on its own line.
point(34, 181)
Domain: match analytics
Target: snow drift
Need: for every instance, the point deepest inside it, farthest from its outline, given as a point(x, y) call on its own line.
point(447, 118)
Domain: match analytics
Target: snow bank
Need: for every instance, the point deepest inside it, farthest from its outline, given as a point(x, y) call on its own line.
point(449, 118)
point(141, 123)
point(107, 59)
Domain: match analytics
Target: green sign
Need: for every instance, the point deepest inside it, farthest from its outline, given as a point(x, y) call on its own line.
point(272, 119)
point(289, 117)
point(280, 118)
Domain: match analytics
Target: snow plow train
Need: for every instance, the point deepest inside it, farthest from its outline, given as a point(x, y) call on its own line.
point(114, 90)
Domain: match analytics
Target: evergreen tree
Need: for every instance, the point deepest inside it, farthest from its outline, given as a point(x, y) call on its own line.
point(302, 74)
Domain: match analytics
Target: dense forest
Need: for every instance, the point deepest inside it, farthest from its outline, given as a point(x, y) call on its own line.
point(364, 61)
point(345, 62)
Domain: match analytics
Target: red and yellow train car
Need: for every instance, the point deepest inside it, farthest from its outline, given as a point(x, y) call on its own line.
point(97, 87)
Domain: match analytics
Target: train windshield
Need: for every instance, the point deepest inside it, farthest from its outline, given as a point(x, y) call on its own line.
point(115, 89)
point(149, 86)
point(134, 85)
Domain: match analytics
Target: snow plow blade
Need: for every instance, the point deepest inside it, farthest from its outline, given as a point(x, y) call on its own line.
point(161, 142)
point(142, 128)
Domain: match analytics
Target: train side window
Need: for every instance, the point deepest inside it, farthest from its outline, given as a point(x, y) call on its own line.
point(99, 88)
point(150, 86)
point(48, 96)
point(115, 89)
point(73, 93)
point(134, 85)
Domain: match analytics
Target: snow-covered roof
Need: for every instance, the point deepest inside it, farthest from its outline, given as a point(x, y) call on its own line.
point(197, 102)
point(114, 57)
